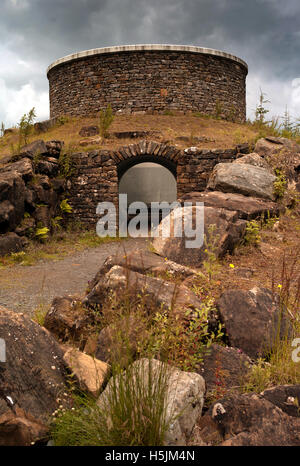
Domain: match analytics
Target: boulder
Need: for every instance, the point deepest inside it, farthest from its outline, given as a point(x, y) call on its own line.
point(32, 379)
point(35, 148)
point(7, 211)
point(286, 397)
point(144, 262)
point(12, 193)
point(223, 369)
point(44, 126)
point(87, 131)
point(10, 242)
point(255, 160)
point(267, 147)
point(158, 293)
point(48, 167)
point(281, 153)
point(247, 207)
point(253, 319)
point(42, 192)
point(23, 168)
point(54, 148)
point(90, 372)
point(248, 420)
point(68, 320)
point(228, 232)
point(243, 179)
point(20, 429)
point(184, 395)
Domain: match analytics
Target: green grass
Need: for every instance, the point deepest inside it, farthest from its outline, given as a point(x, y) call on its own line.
point(278, 368)
point(132, 411)
point(57, 247)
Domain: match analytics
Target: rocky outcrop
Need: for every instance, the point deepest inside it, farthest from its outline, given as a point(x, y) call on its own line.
point(271, 145)
point(183, 399)
point(157, 293)
point(32, 380)
point(248, 420)
point(281, 153)
point(255, 160)
point(253, 319)
point(227, 233)
point(29, 195)
point(12, 200)
point(247, 207)
point(144, 262)
point(243, 179)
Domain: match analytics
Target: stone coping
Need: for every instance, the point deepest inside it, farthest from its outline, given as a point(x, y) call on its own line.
point(146, 47)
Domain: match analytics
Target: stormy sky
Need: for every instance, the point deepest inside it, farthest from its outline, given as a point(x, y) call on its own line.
point(34, 33)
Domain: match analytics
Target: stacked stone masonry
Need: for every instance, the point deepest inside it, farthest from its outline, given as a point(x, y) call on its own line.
point(150, 79)
point(97, 174)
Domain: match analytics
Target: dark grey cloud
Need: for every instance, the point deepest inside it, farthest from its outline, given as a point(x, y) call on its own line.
point(265, 33)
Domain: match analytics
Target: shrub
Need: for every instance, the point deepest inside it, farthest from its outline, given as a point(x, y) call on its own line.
point(42, 233)
point(211, 240)
point(65, 207)
point(252, 233)
point(66, 164)
point(280, 184)
point(105, 120)
point(26, 126)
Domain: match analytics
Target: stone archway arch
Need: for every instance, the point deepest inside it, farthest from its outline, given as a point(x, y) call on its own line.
point(146, 151)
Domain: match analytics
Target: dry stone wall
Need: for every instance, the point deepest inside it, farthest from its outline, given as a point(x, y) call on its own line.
point(152, 79)
point(97, 173)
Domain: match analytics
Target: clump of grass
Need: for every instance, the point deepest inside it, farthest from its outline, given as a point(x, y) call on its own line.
point(131, 412)
point(105, 120)
point(39, 314)
point(211, 242)
point(278, 367)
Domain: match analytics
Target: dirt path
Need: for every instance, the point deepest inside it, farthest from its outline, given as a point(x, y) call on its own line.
point(24, 288)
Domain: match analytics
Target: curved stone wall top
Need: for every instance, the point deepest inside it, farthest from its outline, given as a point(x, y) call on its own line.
point(148, 48)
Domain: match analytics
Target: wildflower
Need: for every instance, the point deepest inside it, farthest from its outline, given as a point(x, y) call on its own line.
point(279, 286)
point(231, 266)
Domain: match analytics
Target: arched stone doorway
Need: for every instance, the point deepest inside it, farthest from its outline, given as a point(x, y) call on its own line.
point(148, 183)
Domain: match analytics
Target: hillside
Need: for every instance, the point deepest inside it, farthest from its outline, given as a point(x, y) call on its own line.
point(180, 130)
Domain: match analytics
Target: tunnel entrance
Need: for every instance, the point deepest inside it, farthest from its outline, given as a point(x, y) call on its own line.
point(148, 182)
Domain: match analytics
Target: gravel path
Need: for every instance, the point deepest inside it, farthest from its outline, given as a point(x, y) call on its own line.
point(24, 288)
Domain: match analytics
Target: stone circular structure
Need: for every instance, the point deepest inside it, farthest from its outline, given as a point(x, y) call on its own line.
point(149, 78)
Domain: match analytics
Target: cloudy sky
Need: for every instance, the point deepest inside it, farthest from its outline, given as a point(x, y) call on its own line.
point(34, 33)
